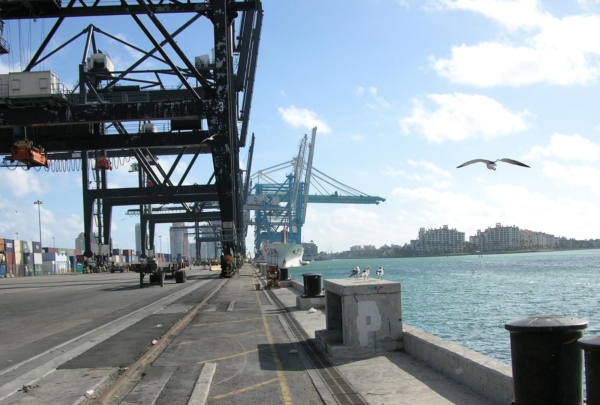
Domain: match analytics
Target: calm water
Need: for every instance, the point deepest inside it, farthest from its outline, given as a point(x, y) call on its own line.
point(467, 300)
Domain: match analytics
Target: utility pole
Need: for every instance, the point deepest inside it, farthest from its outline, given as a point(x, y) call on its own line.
point(39, 203)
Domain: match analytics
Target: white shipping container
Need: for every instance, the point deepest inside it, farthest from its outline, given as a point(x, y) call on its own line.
point(100, 61)
point(37, 258)
point(4, 86)
point(33, 84)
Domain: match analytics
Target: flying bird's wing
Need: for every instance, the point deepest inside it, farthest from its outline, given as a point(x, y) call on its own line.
point(470, 162)
point(513, 162)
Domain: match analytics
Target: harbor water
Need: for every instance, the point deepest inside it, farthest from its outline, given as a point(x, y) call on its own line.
point(468, 299)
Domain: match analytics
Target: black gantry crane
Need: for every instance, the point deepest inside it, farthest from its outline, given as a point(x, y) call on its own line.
point(136, 113)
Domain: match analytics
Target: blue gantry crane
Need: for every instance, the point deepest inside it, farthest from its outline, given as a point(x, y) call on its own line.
point(280, 208)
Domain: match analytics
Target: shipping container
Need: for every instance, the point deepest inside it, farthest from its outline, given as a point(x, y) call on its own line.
point(80, 259)
point(62, 251)
point(17, 246)
point(38, 258)
point(10, 269)
point(26, 246)
point(2, 270)
point(50, 250)
point(37, 247)
point(4, 85)
point(1, 244)
point(33, 84)
point(9, 245)
point(77, 252)
point(39, 269)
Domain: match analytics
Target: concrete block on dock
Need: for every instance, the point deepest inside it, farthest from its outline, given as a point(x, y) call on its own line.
point(308, 303)
point(362, 317)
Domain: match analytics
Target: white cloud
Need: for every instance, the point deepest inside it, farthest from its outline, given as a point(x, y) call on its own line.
point(429, 172)
point(359, 91)
point(21, 182)
point(554, 50)
point(302, 117)
point(357, 137)
point(379, 102)
point(513, 14)
point(567, 147)
point(582, 176)
point(462, 116)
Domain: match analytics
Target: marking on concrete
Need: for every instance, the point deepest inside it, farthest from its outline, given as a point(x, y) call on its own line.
point(230, 306)
point(285, 390)
point(202, 387)
point(232, 356)
point(189, 342)
point(211, 308)
point(148, 390)
point(367, 320)
point(244, 389)
point(94, 387)
point(37, 373)
point(314, 376)
point(220, 323)
point(87, 288)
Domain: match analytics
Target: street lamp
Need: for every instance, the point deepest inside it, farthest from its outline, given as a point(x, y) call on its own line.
point(39, 204)
point(53, 242)
point(17, 233)
point(160, 243)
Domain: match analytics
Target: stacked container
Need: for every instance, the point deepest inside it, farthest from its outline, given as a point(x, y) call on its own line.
point(18, 259)
point(38, 268)
point(2, 259)
point(9, 250)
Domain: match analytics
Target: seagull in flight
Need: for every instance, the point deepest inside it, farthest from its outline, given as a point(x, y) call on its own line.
point(355, 271)
point(491, 164)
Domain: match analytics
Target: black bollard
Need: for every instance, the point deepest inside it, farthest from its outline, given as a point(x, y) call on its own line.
point(591, 349)
point(547, 363)
point(313, 285)
point(285, 275)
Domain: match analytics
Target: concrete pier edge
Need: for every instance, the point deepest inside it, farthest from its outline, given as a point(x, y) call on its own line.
point(486, 376)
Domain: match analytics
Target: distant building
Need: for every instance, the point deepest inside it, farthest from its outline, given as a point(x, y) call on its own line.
point(180, 245)
point(138, 239)
point(441, 240)
point(80, 241)
point(501, 238)
point(311, 251)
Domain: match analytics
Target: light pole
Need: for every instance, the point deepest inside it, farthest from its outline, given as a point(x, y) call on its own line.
point(17, 233)
point(53, 242)
point(160, 243)
point(39, 204)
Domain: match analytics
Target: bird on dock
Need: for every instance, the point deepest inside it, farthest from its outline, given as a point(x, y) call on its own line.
point(379, 272)
point(491, 164)
point(366, 272)
point(354, 272)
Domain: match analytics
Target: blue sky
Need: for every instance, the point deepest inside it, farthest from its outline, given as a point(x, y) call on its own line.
point(402, 92)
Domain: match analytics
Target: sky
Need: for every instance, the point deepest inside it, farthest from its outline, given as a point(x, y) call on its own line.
point(402, 92)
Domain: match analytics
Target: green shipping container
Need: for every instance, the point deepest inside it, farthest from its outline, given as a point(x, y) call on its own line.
point(39, 269)
point(79, 268)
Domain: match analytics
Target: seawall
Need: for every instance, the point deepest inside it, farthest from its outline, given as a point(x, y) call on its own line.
point(488, 377)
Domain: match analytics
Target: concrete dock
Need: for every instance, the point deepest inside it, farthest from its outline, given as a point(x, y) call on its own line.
point(256, 347)
point(224, 342)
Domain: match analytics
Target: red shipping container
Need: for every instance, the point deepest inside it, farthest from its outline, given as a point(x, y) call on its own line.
point(51, 250)
point(77, 252)
point(11, 267)
point(1, 244)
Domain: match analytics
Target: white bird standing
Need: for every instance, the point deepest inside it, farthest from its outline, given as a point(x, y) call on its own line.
point(354, 272)
point(365, 273)
point(379, 272)
point(491, 164)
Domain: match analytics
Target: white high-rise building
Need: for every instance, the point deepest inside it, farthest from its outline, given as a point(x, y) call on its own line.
point(441, 240)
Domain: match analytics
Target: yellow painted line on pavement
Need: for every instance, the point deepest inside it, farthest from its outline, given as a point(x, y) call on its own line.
point(189, 342)
point(244, 389)
point(230, 357)
point(285, 389)
point(221, 323)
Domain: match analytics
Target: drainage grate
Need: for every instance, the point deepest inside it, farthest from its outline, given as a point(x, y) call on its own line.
point(341, 390)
